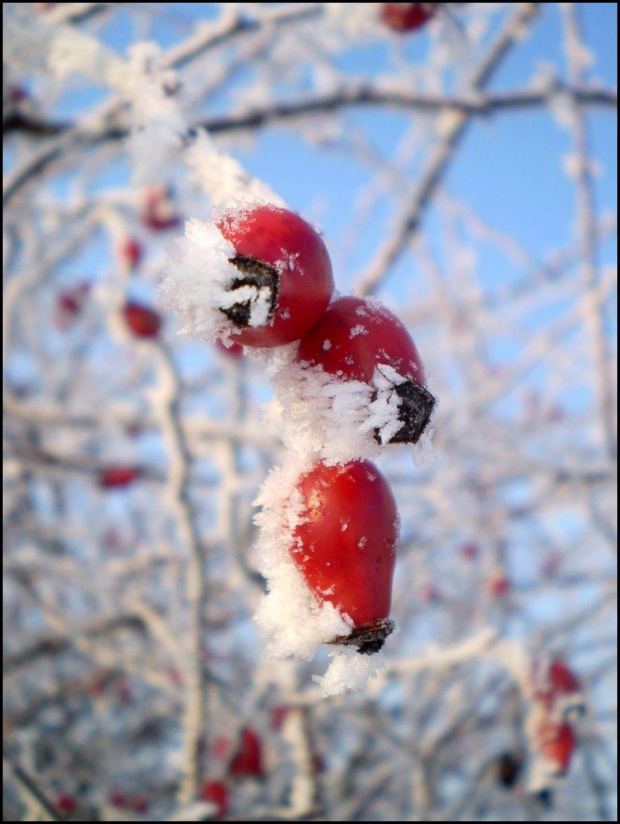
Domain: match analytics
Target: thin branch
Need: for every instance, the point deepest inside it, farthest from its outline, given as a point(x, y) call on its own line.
point(453, 126)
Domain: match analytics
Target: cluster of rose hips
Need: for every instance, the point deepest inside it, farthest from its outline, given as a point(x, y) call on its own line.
point(556, 700)
point(280, 293)
point(246, 762)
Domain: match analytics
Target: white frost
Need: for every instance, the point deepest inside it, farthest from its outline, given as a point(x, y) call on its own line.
point(293, 620)
point(349, 671)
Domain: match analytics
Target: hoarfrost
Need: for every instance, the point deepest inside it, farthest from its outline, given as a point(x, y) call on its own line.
point(289, 615)
point(349, 671)
point(196, 278)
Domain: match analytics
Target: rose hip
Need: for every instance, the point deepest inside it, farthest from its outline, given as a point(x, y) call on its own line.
point(362, 340)
point(284, 266)
point(345, 547)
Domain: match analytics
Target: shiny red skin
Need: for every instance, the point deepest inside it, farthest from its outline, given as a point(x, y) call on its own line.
point(355, 358)
point(142, 321)
point(72, 300)
point(248, 760)
point(234, 351)
point(131, 252)
point(346, 504)
point(558, 745)
point(216, 793)
point(65, 804)
point(499, 586)
point(117, 476)
point(270, 234)
point(403, 17)
point(562, 679)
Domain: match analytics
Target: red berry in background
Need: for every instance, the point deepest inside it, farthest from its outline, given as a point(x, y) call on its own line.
point(557, 745)
point(131, 252)
point(17, 94)
point(357, 338)
point(346, 546)
point(469, 551)
point(65, 804)
point(280, 256)
point(248, 759)
point(498, 585)
point(118, 799)
point(278, 717)
point(139, 803)
point(217, 793)
point(563, 679)
point(158, 213)
point(403, 17)
point(141, 320)
point(70, 303)
point(115, 477)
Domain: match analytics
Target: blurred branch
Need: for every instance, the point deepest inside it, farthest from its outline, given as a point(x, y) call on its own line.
point(358, 95)
point(451, 128)
point(31, 787)
point(593, 304)
point(57, 645)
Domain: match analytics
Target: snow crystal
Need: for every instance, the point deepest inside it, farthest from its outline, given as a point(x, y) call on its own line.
point(360, 329)
point(327, 345)
point(315, 412)
point(349, 671)
point(196, 278)
point(259, 300)
point(423, 451)
point(222, 177)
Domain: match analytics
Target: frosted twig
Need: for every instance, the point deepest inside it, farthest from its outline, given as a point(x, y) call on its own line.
point(452, 126)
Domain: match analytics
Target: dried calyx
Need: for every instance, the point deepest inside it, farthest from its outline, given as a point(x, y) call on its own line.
point(368, 638)
point(415, 410)
point(263, 280)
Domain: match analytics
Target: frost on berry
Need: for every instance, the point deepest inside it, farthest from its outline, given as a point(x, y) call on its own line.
point(303, 607)
point(369, 379)
point(258, 274)
point(214, 291)
point(293, 621)
point(197, 279)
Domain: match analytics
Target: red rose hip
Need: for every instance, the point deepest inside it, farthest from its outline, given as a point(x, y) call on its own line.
point(558, 743)
point(278, 256)
point(142, 321)
point(403, 17)
point(217, 793)
point(345, 547)
point(362, 340)
point(248, 760)
point(116, 477)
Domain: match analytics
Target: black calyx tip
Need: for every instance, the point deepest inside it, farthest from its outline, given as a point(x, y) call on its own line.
point(509, 769)
point(369, 638)
point(415, 411)
point(261, 276)
point(545, 798)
